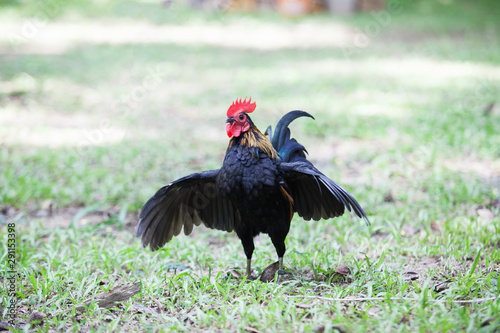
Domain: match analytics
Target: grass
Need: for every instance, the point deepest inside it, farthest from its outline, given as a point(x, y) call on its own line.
point(91, 128)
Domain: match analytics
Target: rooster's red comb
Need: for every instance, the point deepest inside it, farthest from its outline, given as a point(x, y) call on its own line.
point(241, 105)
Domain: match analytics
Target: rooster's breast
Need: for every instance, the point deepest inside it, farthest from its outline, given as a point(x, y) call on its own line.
point(247, 174)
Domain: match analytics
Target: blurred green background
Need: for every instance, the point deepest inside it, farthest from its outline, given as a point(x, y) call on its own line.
point(107, 100)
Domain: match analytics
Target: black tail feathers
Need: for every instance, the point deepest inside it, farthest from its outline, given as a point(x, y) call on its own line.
point(289, 149)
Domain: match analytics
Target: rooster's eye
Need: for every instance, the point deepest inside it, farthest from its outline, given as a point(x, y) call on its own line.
point(242, 117)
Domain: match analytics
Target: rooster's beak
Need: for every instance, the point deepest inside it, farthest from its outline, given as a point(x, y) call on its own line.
point(230, 120)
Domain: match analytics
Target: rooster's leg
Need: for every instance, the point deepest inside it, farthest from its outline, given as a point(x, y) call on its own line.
point(248, 246)
point(281, 268)
point(249, 268)
point(278, 240)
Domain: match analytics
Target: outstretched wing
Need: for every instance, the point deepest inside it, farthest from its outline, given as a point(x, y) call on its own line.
point(315, 195)
point(186, 202)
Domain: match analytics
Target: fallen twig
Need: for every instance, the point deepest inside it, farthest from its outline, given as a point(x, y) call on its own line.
point(366, 299)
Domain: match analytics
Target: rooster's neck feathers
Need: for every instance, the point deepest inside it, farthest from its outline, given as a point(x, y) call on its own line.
point(253, 138)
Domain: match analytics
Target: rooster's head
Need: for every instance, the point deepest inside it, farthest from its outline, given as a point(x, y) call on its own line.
point(238, 120)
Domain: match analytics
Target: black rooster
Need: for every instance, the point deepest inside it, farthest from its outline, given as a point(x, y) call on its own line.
point(258, 188)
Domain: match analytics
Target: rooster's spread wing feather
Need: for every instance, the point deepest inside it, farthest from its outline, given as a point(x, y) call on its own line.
point(315, 195)
point(186, 202)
